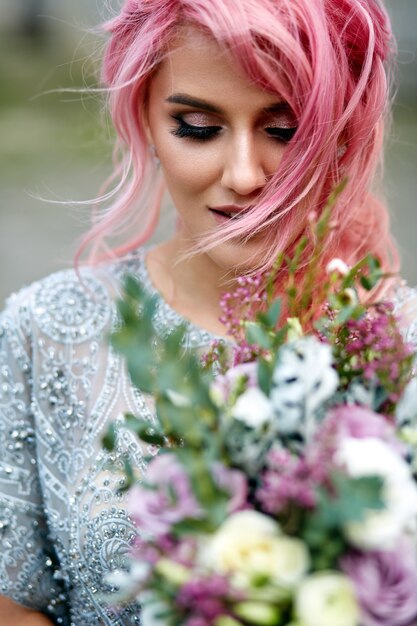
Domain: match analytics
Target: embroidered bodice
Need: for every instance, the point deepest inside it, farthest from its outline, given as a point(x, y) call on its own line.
point(63, 523)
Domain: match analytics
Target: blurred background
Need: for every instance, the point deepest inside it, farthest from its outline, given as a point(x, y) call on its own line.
point(58, 146)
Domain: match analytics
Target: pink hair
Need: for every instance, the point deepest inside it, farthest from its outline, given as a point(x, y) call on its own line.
point(327, 58)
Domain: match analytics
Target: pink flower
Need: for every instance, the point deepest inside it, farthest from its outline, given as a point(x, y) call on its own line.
point(292, 479)
point(352, 420)
point(233, 482)
point(207, 599)
point(166, 499)
point(386, 585)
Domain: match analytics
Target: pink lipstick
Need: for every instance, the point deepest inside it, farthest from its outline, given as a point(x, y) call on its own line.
point(227, 212)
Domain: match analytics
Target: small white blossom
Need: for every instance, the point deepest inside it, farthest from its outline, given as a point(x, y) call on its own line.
point(380, 529)
point(253, 408)
point(303, 381)
point(337, 266)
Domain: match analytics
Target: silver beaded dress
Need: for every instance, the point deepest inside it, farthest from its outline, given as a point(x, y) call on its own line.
point(63, 524)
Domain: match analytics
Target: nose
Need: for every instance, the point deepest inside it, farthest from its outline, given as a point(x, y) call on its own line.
point(243, 171)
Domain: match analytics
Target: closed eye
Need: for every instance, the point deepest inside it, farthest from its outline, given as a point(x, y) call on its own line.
point(282, 134)
point(198, 133)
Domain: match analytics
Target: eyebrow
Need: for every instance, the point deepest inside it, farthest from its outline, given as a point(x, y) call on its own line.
point(182, 98)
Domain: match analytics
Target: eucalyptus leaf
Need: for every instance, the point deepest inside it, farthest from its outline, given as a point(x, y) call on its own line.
point(352, 499)
point(257, 335)
point(271, 317)
point(109, 439)
point(265, 372)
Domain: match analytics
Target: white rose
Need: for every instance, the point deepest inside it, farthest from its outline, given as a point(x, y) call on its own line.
point(380, 529)
point(327, 599)
point(253, 408)
point(250, 544)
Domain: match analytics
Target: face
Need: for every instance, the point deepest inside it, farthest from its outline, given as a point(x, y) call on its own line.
point(219, 138)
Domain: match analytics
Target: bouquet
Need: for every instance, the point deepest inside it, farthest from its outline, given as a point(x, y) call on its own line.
point(283, 492)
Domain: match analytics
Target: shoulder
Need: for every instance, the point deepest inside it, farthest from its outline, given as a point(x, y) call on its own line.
point(69, 306)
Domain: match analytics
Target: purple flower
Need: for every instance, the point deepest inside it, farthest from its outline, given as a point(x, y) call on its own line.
point(292, 479)
point(207, 598)
point(233, 482)
point(224, 384)
point(166, 499)
point(352, 420)
point(386, 585)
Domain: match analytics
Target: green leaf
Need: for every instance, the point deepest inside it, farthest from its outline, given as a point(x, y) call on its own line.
point(353, 498)
point(271, 317)
point(109, 439)
point(257, 335)
point(265, 372)
point(369, 282)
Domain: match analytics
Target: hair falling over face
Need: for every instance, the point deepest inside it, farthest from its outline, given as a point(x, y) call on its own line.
point(328, 61)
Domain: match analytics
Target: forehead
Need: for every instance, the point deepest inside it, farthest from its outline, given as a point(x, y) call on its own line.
point(197, 65)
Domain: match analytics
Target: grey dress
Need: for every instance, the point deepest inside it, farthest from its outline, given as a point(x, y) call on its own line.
point(63, 525)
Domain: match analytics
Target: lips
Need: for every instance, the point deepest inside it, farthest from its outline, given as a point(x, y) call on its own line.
point(229, 211)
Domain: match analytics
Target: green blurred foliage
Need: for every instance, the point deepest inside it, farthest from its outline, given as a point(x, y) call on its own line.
point(39, 124)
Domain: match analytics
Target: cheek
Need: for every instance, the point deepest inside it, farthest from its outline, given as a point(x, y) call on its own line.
point(189, 167)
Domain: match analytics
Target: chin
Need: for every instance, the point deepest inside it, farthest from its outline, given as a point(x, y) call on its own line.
point(237, 259)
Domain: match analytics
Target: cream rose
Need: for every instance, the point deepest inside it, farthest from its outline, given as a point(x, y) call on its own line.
point(250, 544)
point(326, 599)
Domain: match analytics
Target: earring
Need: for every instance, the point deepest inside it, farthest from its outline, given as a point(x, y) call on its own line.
point(154, 154)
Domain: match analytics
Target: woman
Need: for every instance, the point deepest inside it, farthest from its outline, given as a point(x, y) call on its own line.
point(249, 113)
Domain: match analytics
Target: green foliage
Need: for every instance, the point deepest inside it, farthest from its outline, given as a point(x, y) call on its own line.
point(187, 417)
point(353, 498)
point(160, 366)
point(349, 501)
point(258, 335)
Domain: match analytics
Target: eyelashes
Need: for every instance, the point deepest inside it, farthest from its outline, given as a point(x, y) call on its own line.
point(199, 133)
point(205, 133)
point(283, 134)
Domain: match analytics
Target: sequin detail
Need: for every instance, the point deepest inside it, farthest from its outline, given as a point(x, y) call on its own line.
point(63, 519)
point(69, 311)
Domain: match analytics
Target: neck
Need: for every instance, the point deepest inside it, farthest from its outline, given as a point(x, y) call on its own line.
point(193, 286)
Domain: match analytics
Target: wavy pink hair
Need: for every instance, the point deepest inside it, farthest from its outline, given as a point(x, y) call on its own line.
point(327, 58)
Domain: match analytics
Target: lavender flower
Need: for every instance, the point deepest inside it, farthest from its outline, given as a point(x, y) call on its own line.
point(386, 585)
point(166, 499)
